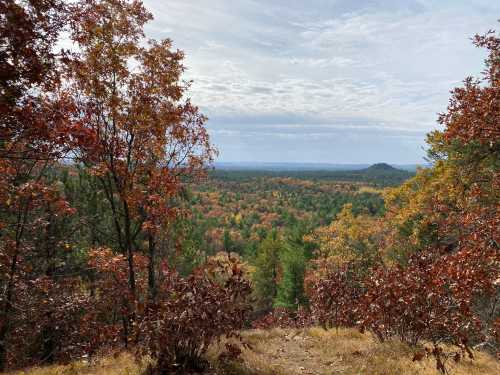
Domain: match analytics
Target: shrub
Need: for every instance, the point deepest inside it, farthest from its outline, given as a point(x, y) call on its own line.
point(281, 317)
point(194, 311)
point(333, 291)
point(433, 300)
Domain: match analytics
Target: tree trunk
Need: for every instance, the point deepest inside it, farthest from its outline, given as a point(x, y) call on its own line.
point(7, 309)
point(129, 248)
point(151, 268)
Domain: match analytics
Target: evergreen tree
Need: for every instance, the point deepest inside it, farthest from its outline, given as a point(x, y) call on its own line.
point(227, 242)
point(267, 266)
point(250, 251)
point(290, 291)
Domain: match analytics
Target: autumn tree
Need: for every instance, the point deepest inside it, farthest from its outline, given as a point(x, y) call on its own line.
point(35, 134)
point(458, 196)
point(347, 249)
point(148, 137)
point(350, 239)
point(209, 304)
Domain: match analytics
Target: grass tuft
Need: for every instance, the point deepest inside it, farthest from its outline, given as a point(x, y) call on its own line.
point(121, 364)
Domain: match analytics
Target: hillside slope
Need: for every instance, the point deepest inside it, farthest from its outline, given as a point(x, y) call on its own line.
point(298, 352)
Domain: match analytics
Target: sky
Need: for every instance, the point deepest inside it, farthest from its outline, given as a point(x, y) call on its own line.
point(339, 81)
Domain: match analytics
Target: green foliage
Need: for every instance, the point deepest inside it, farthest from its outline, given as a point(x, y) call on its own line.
point(227, 244)
point(267, 269)
point(250, 251)
point(378, 175)
point(290, 291)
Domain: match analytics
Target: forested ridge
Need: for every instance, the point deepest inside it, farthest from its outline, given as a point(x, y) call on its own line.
point(117, 236)
point(380, 174)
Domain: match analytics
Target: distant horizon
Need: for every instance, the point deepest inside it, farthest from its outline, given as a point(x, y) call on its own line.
point(246, 162)
point(308, 166)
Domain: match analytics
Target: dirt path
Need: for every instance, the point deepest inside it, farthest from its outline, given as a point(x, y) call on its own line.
point(315, 351)
point(299, 353)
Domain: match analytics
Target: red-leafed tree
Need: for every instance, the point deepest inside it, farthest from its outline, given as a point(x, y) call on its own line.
point(34, 135)
point(148, 137)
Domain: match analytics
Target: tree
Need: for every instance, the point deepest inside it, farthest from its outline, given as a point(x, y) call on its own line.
point(227, 242)
point(148, 138)
point(435, 209)
point(267, 270)
point(350, 239)
point(210, 304)
point(290, 290)
point(35, 133)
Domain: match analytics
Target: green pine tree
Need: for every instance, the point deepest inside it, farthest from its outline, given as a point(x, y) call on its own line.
point(267, 264)
point(290, 290)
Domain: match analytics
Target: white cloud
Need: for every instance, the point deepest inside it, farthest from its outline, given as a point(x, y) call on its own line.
point(373, 62)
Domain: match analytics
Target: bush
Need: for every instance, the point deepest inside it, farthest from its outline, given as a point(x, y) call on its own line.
point(431, 299)
point(194, 311)
point(281, 317)
point(333, 292)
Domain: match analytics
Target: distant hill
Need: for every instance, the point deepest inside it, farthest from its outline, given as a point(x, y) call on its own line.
point(381, 167)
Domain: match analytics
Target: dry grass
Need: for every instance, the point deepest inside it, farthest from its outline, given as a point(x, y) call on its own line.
point(122, 364)
point(318, 352)
point(311, 351)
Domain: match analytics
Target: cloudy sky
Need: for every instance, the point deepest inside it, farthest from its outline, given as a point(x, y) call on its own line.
point(340, 81)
